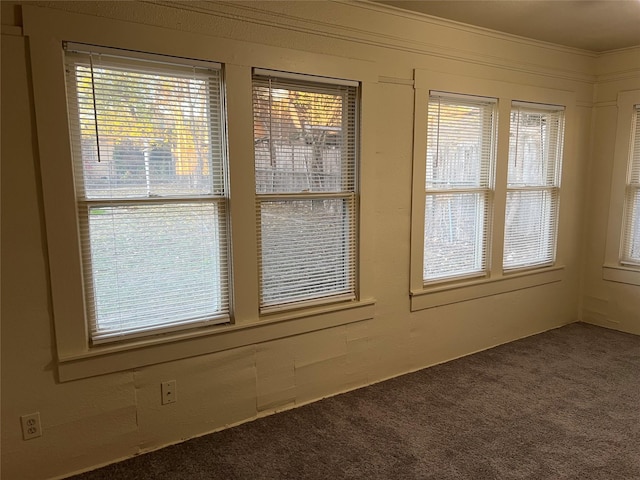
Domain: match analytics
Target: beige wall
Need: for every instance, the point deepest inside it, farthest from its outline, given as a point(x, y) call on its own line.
point(96, 420)
point(612, 304)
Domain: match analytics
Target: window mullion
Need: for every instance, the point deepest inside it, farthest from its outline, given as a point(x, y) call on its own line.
point(244, 252)
point(500, 192)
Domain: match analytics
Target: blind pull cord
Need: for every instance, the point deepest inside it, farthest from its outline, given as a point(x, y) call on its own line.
point(95, 109)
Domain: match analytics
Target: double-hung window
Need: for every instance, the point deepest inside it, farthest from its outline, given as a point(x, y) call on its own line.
point(461, 141)
point(148, 144)
point(306, 189)
point(165, 239)
point(486, 187)
point(533, 185)
point(631, 220)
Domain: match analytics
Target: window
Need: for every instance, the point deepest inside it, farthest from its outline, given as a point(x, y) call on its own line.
point(631, 221)
point(535, 154)
point(461, 134)
point(148, 150)
point(149, 192)
point(305, 171)
point(486, 187)
point(622, 250)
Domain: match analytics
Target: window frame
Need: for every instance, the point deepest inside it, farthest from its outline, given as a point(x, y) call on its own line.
point(119, 60)
point(614, 268)
point(552, 189)
point(349, 195)
point(488, 189)
point(632, 194)
point(47, 30)
point(428, 295)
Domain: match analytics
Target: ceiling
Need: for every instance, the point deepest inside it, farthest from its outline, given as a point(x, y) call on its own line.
point(597, 26)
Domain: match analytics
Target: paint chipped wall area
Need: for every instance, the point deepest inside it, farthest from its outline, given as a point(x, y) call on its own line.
point(98, 408)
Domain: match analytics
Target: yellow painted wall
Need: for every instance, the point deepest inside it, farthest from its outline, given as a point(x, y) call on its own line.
point(608, 303)
point(97, 420)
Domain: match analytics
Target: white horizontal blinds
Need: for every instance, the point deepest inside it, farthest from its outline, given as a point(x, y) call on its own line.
point(305, 170)
point(631, 223)
point(533, 185)
point(157, 128)
point(304, 136)
point(461, 133)
point(149, 162)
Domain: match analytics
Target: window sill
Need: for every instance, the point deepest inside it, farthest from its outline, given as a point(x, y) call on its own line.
point(150, 351)
point(620, 274)
point(470, 290)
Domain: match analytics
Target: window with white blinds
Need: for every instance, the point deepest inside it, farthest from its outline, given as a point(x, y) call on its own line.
point(148, 142)
point(631, 222)
point(533, 185)
point(305, 136)
point(461, 140)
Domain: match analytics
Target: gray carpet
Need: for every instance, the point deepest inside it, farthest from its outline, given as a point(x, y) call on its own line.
point(564, 404)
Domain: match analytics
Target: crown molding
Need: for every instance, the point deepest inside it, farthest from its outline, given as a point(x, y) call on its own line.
point(631, 74)
point(12, 30)
point(396, 80)
point(606, 104)
point(256, 14)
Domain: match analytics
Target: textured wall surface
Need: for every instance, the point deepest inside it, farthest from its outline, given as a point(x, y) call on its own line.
point(96, 420)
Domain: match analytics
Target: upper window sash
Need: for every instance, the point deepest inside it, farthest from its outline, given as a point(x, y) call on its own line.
point(296, 118)
point(535, 145)
point(167, 90)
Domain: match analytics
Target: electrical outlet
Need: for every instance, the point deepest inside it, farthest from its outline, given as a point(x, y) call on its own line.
point(169, 392)
point(31, 426)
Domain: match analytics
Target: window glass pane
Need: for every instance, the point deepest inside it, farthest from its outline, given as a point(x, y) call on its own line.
point(147, 133)
point(454, 234)
point(307, 249)
point(534, 146)
point(459, 143)
point(304, 138)
point(529, 228)
point(631, 248)
point(634, 154)
point(153, 265)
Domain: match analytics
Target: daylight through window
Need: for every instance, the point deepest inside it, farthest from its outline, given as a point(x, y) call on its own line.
point(461, 134)
point(305, 169)
point(149, 161)
point(533, 185)
point(631, 225)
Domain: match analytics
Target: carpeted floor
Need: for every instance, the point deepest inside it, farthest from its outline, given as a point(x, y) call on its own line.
point(564, 404)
